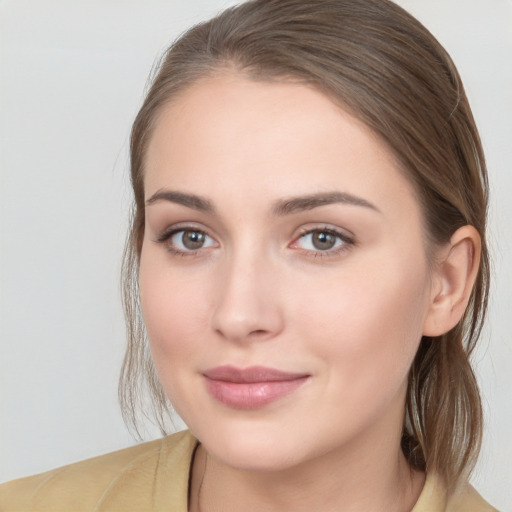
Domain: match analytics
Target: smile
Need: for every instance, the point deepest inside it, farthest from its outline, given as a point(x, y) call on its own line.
point(250, 388)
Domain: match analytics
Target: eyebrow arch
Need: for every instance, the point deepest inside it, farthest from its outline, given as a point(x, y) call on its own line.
point(188, 200)
point(303, 203)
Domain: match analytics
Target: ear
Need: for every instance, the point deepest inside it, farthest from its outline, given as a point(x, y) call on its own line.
point(454, 274)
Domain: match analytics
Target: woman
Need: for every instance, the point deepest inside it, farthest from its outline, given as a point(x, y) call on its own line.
point(308, 251)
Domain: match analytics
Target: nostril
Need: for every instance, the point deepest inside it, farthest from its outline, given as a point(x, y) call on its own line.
point(258, 332)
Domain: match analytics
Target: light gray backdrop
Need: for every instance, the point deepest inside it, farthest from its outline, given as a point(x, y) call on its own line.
point(72, 75)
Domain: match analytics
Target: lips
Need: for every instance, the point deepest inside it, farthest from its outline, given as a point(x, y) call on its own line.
point(252, 387)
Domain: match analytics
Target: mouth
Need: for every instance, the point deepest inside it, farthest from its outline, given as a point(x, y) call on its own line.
point(252, 387)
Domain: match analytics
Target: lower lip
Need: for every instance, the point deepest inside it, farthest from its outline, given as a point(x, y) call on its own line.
point(251, 395)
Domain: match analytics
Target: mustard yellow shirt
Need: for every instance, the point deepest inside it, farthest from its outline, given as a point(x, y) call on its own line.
point(153, 477)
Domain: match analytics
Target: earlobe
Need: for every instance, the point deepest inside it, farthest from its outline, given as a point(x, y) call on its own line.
point(454, 276)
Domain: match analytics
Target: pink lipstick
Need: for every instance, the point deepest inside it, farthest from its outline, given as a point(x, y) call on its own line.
point(250, 388)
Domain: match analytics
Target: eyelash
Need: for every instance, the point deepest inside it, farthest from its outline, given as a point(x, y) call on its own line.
point(347, 241)
point(169, 233)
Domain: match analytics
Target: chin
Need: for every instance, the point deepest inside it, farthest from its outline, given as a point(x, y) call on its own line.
point(251, 446)
point(254, 458)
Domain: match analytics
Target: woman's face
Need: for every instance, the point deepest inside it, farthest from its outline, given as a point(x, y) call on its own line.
point(283, 274)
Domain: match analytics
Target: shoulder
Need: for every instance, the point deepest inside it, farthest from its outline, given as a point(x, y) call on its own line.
point(129, 479)
point(468, 499)
point(434, 498)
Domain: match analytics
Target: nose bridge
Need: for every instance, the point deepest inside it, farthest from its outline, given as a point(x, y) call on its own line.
point(247, 305)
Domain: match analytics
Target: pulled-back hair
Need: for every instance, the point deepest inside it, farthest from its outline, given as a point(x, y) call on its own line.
point(380, 64)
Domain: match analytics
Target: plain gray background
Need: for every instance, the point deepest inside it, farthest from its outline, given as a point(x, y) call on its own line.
point(72, 76)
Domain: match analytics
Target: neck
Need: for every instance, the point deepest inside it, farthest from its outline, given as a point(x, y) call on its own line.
point(362, 479)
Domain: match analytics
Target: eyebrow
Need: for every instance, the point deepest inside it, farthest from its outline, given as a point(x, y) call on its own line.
point(281, 208)
point(303, 203)
point(188, 200)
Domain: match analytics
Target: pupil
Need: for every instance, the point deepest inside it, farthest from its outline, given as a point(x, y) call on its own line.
point(193, 239)
point(323, 241)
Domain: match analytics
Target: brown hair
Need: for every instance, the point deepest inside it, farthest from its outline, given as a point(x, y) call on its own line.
point(382, 65)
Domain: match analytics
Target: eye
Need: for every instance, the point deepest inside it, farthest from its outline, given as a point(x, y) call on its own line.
point(322, 240)
point(184, 241)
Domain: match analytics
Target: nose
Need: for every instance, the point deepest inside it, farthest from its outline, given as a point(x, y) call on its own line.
point(247, 306)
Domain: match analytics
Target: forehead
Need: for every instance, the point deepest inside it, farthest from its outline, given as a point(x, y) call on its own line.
point(229, 135)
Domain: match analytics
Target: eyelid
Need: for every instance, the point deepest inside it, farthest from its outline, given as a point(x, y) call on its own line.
point(166, 235)
point(347, 239)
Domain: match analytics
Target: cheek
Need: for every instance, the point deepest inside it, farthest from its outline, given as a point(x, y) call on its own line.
point(365, 325)
point(173, 314)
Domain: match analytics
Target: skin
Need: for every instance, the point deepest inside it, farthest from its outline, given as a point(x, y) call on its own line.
point(258, 292)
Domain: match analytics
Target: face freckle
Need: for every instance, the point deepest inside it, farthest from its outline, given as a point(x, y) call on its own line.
point(256, 288)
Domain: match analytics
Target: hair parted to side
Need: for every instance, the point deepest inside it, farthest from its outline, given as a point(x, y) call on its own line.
point(379, 63)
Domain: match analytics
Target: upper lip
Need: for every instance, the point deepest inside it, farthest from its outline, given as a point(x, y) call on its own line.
point(250, 374)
